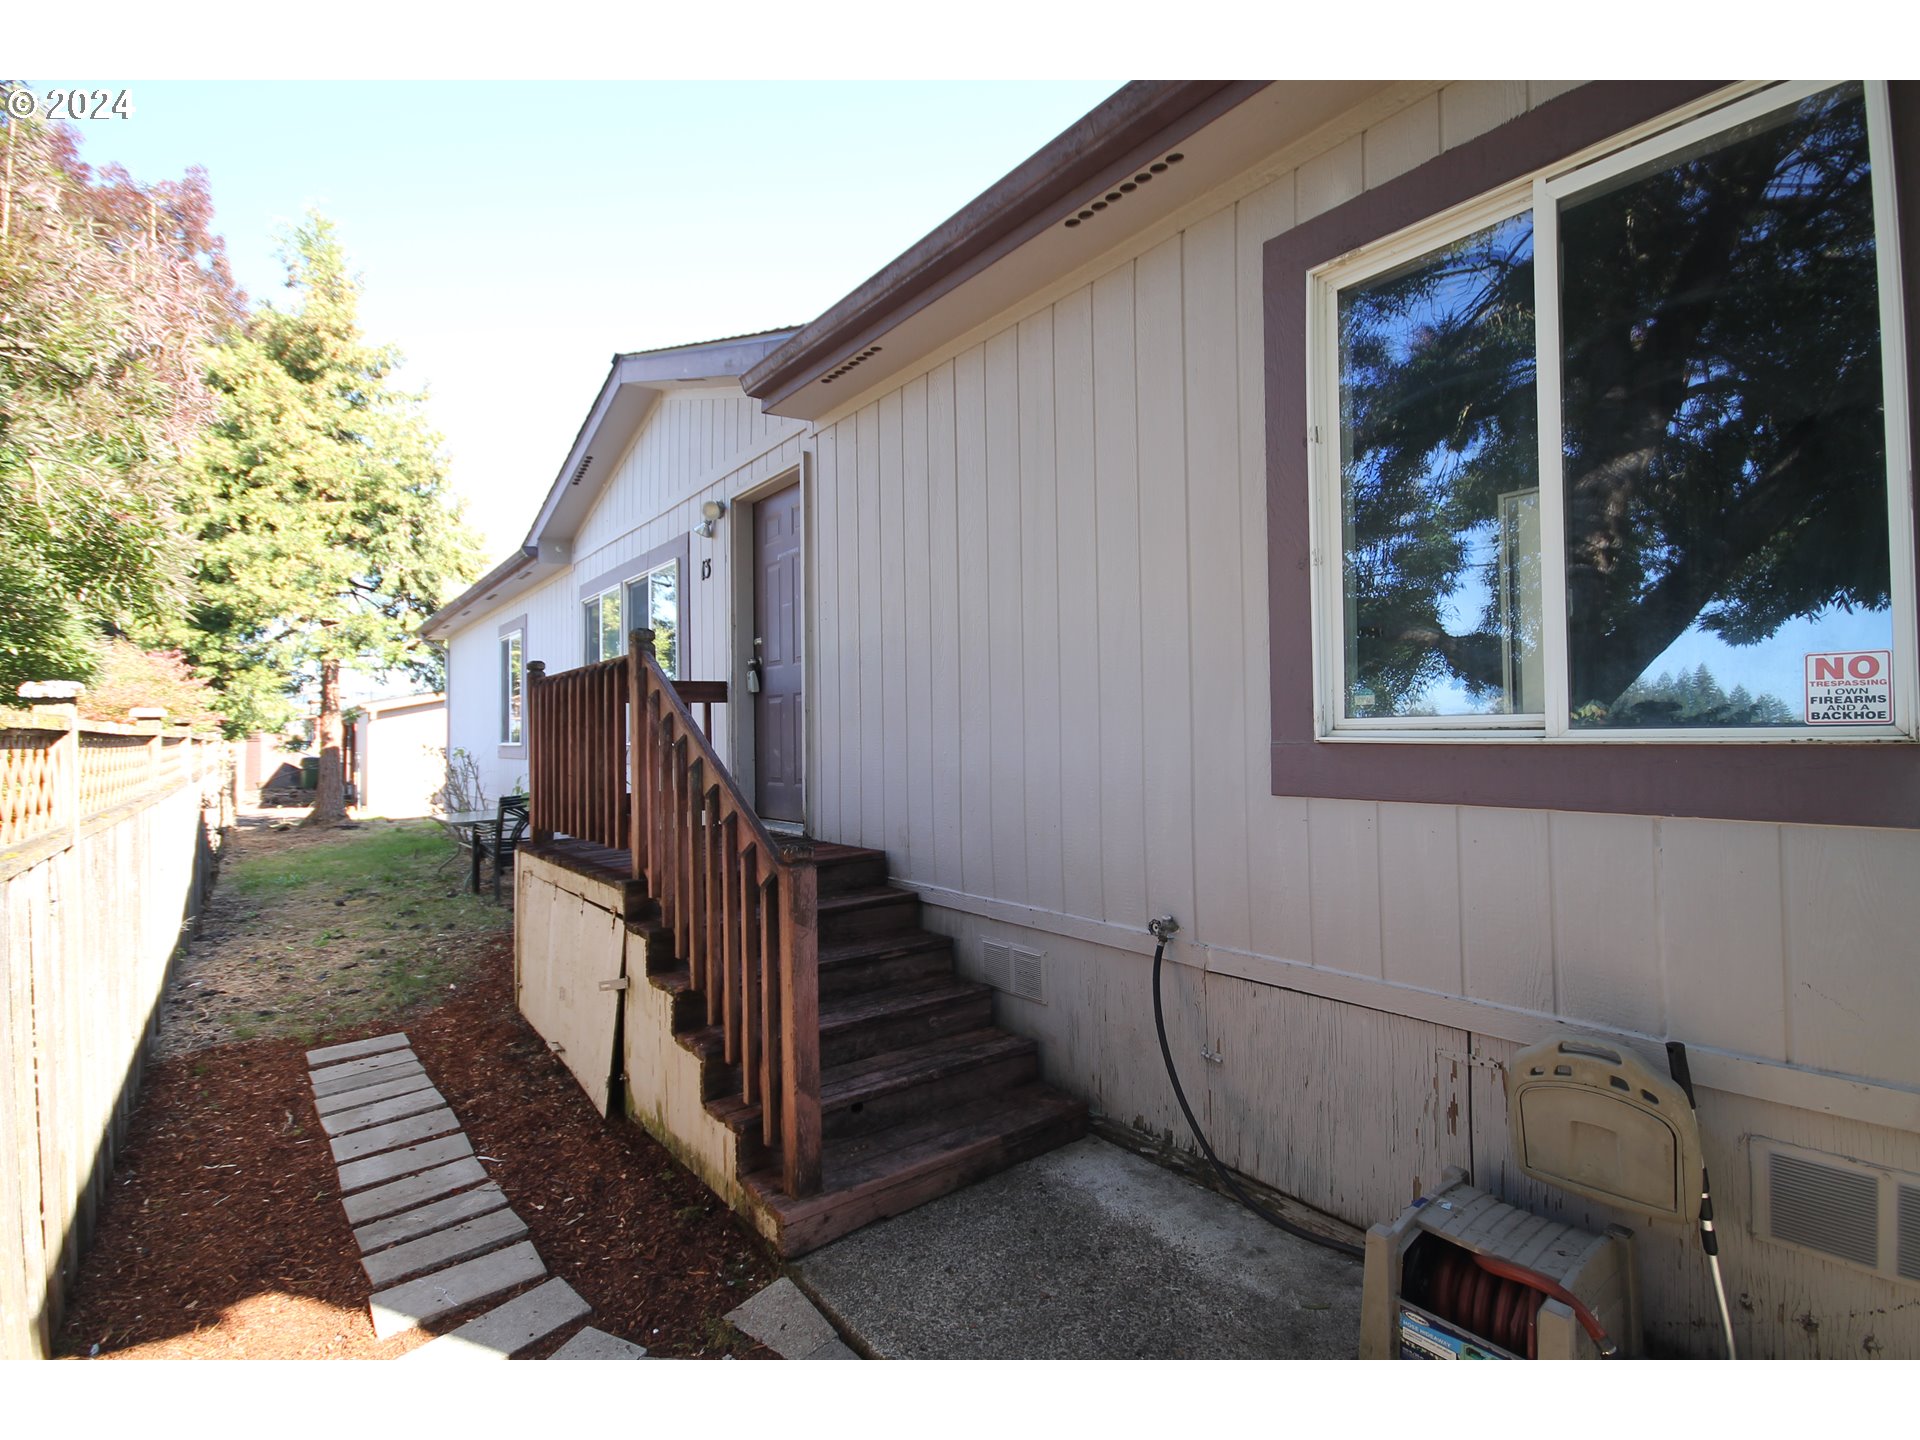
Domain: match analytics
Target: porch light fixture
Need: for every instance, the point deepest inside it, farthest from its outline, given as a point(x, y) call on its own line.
point(710, 512)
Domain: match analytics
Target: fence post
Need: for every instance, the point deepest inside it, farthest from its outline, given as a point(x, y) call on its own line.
point(800, 1018)
point(59, 700)
point(539, 780)
point(639, 645)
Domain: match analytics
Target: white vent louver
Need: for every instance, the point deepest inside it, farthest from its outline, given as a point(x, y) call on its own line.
point(1825, 1208)
point(1014, 970)
point(1029, 980)
point(1907, 1248)
point(996, 964)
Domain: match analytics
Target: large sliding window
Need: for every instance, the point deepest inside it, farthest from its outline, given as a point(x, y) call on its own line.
point(1619, 451)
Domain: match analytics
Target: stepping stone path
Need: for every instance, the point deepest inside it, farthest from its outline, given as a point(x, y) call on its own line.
point(435, 1234)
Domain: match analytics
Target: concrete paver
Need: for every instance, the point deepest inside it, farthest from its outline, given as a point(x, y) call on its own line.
point(404, 1063)
point(413, 1190)
point(379, 1112)
point(592, 1344)
point(425, 1219)
point(358, 1174)
point(504, 1332)
point(784, 1320)
point(406, 1078)
point(443, 1247)
point(417, 1302)
point(354, 1049)
point(393, 1135)
point(1087, 1252)
point(835, 1349)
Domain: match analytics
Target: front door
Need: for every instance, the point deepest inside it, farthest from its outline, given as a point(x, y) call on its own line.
point(777, 730)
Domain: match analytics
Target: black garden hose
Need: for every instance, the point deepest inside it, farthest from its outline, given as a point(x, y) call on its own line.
point(1226, 1176)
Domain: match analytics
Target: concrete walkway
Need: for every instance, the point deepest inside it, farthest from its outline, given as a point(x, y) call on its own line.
point(1086, 1253)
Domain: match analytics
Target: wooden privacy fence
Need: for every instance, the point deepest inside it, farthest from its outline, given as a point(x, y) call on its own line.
point(618, 760)
point(56, 772)
point(104, 849)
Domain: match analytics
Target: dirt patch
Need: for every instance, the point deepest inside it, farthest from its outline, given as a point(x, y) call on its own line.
point(223, 1235)
point(311, 931)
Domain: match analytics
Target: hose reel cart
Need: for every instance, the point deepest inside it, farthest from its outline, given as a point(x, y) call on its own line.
point(1463, 1275)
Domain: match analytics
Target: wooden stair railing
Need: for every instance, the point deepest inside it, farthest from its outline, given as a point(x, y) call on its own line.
point(739, 904)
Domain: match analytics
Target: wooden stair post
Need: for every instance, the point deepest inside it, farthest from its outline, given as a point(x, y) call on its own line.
point(800, 1021)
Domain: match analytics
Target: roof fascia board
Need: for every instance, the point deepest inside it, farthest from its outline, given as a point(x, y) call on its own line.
point(1140, 118)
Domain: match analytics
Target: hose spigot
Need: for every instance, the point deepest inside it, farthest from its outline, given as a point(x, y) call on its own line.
point(1161, 927)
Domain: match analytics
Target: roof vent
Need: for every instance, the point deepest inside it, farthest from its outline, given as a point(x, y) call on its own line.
point(846, 365)
point(1120, 192)
point(580, 470)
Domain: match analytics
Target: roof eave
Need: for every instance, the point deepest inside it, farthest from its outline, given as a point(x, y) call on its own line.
point(1027, 200)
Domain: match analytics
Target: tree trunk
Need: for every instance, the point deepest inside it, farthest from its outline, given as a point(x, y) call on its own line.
point(330, 795)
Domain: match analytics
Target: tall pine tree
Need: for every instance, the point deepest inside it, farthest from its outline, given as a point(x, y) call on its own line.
point(329, 531)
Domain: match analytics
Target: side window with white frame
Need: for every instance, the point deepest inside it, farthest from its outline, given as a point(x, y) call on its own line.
point(513, 680)
point(654, 600)
point(1620, 451)
point(604, 635)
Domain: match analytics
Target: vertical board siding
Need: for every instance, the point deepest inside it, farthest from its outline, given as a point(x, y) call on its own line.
point(869, 520)
point(917, 554)
point(1217, 697)
point(1420, 897)
point(1116, 478)
point(1853, 990)
point(977, 672)
point(1006, 617)
point(1165, 622)
point(1077, 531)
point(1723, 944)
point(1040, 607)
point(827, 814)
point(896, 833)
point(1343, 854)
point(1606, 934)
point(948, 615)
point(1506, 907)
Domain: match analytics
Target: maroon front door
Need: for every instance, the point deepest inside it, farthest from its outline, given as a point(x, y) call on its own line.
point(777, 729)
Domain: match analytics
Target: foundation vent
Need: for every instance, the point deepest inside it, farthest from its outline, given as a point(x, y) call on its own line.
point(1029, 975)
point(1844, 1209)
point(1824, 1207)
point(996, 964)
point(1014, 970)
point(1907, 1265)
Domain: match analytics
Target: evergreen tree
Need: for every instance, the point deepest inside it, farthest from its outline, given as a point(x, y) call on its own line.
point(328, 530)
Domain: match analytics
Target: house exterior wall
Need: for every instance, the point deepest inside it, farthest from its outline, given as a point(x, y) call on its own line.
point(1041, 685)
point(695, 445)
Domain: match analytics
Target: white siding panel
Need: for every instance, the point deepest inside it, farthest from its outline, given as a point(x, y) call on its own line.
point(829, 624)
point(1077, 529)
point(1420, 896)
point(1165, 623)
point(1470, 108)
point(1344, 853)
point(1006, 616)
point(1217, 694)
point(869, 521)
point(1506, 907)
point(1331, 178)
point(1721, 933)
point(948, 606)
point(977, 677)
point(1123, 853)
point(1403, 140)
point(1040, 605)
point(1606, 907)
point(850, 734)
point(896, 835)
point(918, 858)
point(1853, 913)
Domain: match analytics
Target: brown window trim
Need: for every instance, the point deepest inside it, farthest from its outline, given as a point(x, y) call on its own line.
point(1819, 783)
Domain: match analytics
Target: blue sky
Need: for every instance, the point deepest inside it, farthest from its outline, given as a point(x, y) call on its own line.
point(513, 237)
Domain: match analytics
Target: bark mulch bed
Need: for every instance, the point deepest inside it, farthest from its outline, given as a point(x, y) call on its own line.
point(224, 1238)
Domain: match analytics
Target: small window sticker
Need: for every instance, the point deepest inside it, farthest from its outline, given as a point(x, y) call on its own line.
point(1850, 687)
